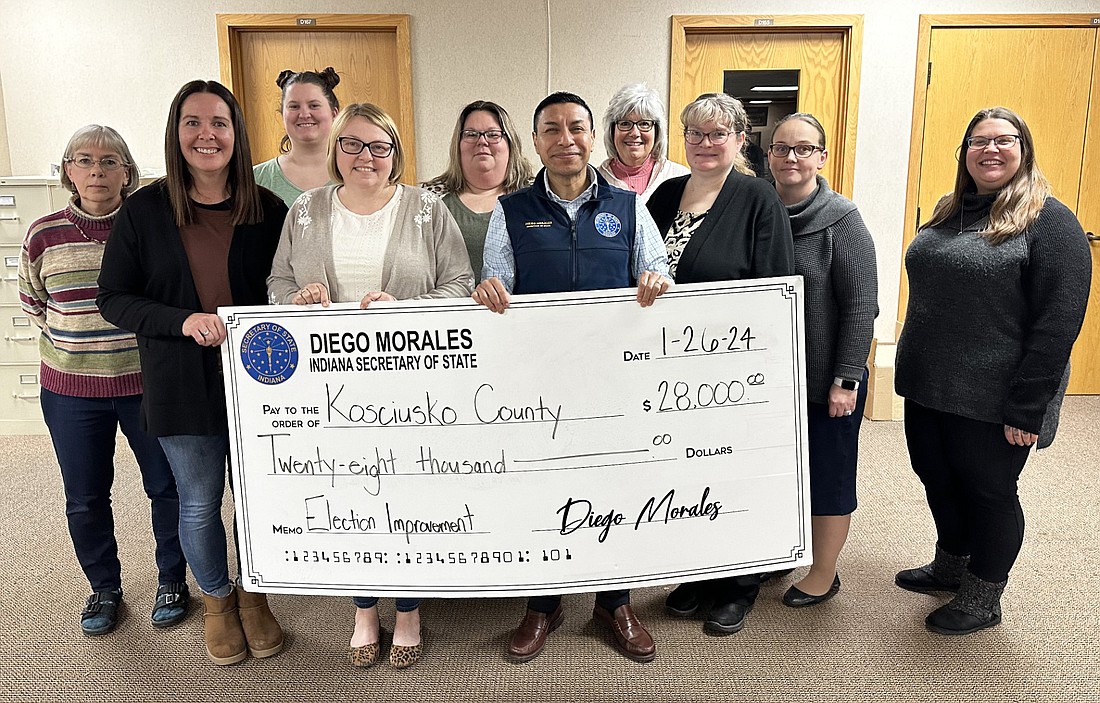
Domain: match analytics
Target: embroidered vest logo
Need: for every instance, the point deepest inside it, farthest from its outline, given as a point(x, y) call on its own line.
point(607, 224)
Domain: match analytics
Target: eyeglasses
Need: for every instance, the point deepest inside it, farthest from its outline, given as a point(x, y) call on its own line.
point(1003, 141)
point(493, 136)
point(642, 125)
point(695, 137)
point(351, 145)
point(86, 162)
point(802, 151)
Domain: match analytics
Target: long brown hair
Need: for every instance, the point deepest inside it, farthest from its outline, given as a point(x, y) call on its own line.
point(246, 208)
point(519, 173)
point(1018, 202)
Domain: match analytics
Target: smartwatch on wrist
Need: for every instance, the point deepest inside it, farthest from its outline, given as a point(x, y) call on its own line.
point(846, 384)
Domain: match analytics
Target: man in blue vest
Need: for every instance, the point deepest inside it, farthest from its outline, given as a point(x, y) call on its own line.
point(571, 231)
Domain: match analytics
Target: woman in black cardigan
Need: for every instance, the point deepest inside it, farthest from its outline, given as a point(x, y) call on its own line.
point(720, 224)
point(201, 237)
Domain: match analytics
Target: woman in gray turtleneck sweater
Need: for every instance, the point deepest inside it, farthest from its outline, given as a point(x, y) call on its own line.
point(998, 282)
point(834, 254)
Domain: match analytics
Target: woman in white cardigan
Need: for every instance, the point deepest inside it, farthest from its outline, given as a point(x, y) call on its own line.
point(635, 135)
point(364, 239)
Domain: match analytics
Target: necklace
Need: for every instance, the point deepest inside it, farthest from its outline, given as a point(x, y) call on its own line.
point(76, 213)
point(85, 235)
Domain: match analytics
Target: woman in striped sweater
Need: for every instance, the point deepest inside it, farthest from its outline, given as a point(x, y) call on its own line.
point(91, 380)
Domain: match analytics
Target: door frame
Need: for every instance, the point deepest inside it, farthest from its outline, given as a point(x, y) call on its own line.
point(851, 26)
point(231, 26)
point(920, 98)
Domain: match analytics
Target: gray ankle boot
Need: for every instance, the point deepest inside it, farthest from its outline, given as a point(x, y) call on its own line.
point(943, 574)
point(976, 607)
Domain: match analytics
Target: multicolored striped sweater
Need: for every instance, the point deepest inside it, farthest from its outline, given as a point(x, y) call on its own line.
point(83, 355)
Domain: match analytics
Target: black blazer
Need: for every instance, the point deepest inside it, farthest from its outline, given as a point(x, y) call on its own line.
point(745, 234)
point(145, 286)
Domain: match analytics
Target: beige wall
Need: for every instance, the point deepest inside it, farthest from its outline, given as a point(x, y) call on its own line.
point(65, 63)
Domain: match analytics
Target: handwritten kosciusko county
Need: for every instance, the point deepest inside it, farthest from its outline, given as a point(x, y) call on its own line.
point(578, 442)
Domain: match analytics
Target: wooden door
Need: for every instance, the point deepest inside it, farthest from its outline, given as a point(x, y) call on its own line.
point(370, 52)
point(1085, 359)
point(826, 58)
point(1047, 82)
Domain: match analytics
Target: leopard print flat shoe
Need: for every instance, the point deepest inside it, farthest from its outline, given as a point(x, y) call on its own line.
point(364, 656)
point(402, 657)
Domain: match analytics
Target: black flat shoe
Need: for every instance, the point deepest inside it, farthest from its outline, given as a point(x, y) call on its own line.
point(684, 601)
point(726, 619)
point(795, 598)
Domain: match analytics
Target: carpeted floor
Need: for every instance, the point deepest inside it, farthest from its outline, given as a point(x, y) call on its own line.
point(867, 644)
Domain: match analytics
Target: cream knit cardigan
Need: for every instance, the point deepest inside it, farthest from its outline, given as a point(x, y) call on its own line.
point(425, 257)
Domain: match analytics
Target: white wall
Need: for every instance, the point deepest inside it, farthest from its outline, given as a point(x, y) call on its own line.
point(65, 63)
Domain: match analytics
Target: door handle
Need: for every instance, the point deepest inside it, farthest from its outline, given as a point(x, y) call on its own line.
point(1093, 237)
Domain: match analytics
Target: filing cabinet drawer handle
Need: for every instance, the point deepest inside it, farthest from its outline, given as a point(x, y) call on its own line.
point(10, 278)
point(9, 218)
point(25, 396)
point(23, 338)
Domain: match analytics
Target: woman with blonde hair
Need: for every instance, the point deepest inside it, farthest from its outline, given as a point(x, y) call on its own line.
point(720, 223)
point(998, 282)
point(486, 162)
point(369, 238)
point(835, 255)
point(636, 138)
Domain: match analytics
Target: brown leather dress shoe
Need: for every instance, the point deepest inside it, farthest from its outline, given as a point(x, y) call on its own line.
point(530, 637)
point(631, 637)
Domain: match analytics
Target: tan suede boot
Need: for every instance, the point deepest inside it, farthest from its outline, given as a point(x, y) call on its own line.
point(261, 630)
point(222, 630)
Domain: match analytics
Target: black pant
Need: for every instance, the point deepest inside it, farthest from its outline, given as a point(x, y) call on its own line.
point(969, 471)
point(608, 600)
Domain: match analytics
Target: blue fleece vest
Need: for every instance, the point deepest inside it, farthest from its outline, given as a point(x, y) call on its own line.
point(554, 255)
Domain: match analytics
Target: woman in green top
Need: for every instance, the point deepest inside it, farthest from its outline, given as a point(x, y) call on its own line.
point(308, 107)
point(486, 162)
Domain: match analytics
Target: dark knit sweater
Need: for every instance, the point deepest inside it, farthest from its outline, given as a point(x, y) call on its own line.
point(835, 255)
point(988, 329)
point(83, 355)
point(146, 286)
point(745, 234)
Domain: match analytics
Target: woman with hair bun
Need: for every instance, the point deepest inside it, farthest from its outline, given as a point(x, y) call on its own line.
point(835, 255)
point(308, 107)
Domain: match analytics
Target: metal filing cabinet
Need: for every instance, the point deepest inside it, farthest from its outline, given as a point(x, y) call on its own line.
point(23, 199)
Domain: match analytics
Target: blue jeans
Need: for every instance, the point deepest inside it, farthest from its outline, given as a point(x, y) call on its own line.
point(199, 464)
point(83, 432)
point(404, 605)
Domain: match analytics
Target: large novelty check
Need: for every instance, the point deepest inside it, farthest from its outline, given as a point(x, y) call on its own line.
point(578, 442)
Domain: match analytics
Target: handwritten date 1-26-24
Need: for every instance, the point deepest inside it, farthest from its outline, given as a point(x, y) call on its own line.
point(690, 341)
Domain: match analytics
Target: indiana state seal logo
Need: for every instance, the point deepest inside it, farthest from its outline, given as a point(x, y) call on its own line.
point(269, 353)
